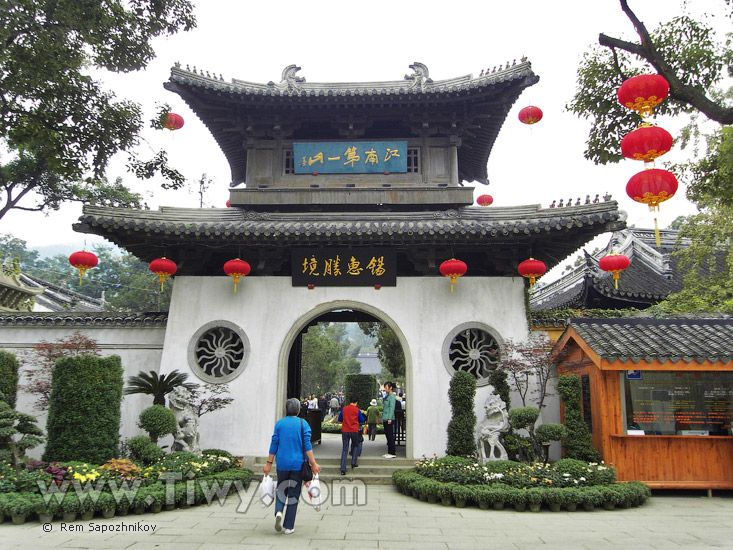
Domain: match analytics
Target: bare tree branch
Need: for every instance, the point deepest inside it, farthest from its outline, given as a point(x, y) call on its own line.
point(677, 89)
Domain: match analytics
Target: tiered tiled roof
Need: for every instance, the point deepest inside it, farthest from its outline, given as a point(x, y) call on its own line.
point(472, 109)
point(652, 274)
point(491, 240)
point(684, 340)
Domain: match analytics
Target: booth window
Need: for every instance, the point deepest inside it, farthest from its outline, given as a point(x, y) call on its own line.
point(678, 403)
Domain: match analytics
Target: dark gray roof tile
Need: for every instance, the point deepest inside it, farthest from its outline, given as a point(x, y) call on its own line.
point(686, 340)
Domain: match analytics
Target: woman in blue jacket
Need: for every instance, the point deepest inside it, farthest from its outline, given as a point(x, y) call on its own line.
point(287, 449)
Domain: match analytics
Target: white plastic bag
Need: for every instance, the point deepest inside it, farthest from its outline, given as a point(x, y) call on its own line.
point(314, 493)
point(267, 491)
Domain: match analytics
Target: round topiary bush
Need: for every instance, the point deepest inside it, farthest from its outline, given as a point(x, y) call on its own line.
point(143, 450)
point(550, 432)
point(158, 421)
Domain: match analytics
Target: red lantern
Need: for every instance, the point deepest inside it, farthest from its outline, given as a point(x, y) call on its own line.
point(652, 187)
point(236, 269)
point(614, 263)
point(172, 121)
point(530, 115)
point(532, 269)
point(229, 204)
point(642, 93)
point(82, 261)
point(163, 268)
point(453, 268)
point(646, 143)
point(484, 200)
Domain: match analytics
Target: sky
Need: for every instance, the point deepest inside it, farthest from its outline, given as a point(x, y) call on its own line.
point(357, 42)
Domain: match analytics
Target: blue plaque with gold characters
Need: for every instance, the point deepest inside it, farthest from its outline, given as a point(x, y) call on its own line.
point(350, 157)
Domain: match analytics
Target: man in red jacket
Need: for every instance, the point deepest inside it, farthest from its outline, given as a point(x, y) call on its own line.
point(350, 418)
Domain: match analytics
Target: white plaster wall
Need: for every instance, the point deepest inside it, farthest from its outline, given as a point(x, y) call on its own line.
point(139, 349)
point(270, 310)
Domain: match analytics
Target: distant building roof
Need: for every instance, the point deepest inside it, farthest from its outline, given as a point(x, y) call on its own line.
point(471, 109)
point(58, 298)
point(686, 340)
point(652, 275)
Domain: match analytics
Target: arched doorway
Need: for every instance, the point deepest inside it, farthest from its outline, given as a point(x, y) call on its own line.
point(289, 369)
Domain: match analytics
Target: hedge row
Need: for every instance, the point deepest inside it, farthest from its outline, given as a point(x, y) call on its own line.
point(499, 496)
point(150, 498)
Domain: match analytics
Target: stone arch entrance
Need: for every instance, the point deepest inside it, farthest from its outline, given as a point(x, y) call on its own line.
point(287, 380)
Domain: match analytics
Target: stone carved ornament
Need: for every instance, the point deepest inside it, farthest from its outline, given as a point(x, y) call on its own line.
point(186, 436)
point(490, 429)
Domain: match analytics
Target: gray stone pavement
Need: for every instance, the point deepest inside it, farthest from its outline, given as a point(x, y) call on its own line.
point(380, 517)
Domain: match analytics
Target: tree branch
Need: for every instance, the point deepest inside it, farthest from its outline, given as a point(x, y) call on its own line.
point(677, 89)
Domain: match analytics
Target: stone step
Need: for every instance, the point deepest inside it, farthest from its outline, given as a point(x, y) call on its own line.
point(371, 471)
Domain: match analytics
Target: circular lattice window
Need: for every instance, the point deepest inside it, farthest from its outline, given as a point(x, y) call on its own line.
point(218, 352)
point(474, 349)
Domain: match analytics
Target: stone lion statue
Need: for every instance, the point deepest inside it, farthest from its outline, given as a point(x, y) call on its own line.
point(490, 429)
point(186, 436)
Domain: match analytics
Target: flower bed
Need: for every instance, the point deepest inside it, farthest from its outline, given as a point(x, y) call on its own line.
point(568, 484)
point(77, 490)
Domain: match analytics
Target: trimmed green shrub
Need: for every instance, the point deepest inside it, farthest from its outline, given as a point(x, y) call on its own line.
point(550, 432)
point(8, 377)
point(142, 449)
point(362, 386)
point(461, 428)
point(578, 443)
point(158, 421)
point(84, 411)
point(498, 380)
point(523, 418)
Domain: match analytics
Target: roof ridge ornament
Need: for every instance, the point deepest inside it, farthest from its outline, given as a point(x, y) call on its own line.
point(420, 77)
point(291, 82)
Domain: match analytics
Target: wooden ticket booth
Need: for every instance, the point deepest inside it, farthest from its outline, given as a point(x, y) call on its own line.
point(657, 395)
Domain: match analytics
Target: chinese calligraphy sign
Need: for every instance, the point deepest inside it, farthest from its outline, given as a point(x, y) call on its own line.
point(357, 157)
point(344, 267)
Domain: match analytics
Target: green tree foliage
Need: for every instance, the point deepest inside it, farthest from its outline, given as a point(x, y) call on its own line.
point(462, 426)
point(328, 355)
point(685, 51)
point(59, 126)
point(151, 383)
point(578, 443)
point(362, 386)
point(12, 247)
point(389, 349)
point(320, 361)
point(84, 414)
point(158, 421)
point(498, 380)
point(9, 377)
point(125, 282)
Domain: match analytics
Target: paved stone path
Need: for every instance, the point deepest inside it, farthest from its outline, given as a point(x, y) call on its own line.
point(385, 518)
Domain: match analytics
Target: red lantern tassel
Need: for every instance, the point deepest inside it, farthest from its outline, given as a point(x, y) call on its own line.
point(615, 278)
point(656, 233)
